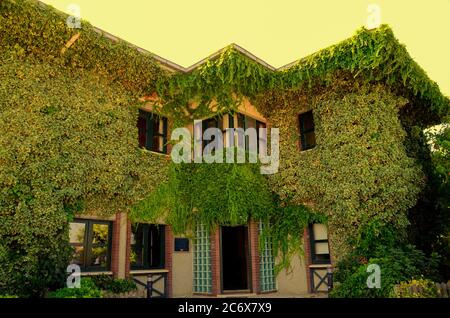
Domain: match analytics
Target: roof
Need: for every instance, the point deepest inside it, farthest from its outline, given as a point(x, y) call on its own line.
point(375, 53)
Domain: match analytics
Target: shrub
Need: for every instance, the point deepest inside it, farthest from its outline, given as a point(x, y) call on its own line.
point(87, 289)
point(416, 288)
point(397, 264)
point(116, 286)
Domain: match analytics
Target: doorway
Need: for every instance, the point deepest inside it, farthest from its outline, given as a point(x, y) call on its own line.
point(235, 258)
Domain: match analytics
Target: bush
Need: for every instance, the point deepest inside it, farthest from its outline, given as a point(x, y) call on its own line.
point(116, 286)
point(397, 264)
point(416, 288)
point(87, 289)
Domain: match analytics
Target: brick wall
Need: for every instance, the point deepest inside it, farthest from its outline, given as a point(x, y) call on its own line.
point(308, 260)
point(215, 262)
point(115, 246)
point(254, 256)
point(168, 238)
point(128, 253)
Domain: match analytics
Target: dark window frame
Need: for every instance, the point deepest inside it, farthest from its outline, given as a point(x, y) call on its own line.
point(149, 133)
point(313, 241)
point(162, 248)
point(242, 120)
point(303, 131)
point(205, 125)
point(88, 245)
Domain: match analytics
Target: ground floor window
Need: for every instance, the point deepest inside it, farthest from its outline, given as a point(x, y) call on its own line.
point(320, 253)
point(91, 240)
point(147, 246)
point(202, 261)
point(266, 265)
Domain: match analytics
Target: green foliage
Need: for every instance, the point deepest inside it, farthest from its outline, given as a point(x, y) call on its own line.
point(117, 286)
point(226, 194)
point(359, 171)
point(372, 56)
point(440, 158)
point(416, 288)
point(211, 194)
point(67, 146)
point(285, 231)
point(32, 29)
point(87, 289)
point(397, 264)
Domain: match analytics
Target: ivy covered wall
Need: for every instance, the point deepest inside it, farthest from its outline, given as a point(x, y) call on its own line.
point(68, 137)
point(359, 172)
point(68, 140)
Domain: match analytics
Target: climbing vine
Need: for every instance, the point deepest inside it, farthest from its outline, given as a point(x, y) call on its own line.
point(68, 139)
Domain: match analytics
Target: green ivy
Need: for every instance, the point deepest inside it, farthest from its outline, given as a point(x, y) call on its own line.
point(68, 139)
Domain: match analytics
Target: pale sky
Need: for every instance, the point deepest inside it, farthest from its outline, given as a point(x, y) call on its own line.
point(277, 31)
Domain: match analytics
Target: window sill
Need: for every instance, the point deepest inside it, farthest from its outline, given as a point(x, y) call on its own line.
point(155, 152)
point(307, 150)
point(148, 271)
point(96, 273)
point(319, 265)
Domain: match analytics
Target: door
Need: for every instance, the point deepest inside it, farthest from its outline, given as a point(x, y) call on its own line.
point(235, 258)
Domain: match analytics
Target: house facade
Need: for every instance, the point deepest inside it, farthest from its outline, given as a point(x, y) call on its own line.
point(354, 164)
point(223, 262)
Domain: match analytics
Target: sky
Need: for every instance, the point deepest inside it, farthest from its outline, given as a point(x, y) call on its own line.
point(277, 31)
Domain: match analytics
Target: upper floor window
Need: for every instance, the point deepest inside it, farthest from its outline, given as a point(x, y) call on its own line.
point(240, 137)
point(147, 246)
point(91, 241)
point(243, 141)
point(318, 235)
point(152, 131)
point(307, 134)
point(214, 122)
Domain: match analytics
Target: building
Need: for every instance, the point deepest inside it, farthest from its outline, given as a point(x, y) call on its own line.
point(229, 260)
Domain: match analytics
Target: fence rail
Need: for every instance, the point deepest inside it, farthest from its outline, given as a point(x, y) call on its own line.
point(153, 278)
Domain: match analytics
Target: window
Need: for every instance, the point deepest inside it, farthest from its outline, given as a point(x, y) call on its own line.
point(147, 246)
point(267, 281)
point(202, 261)
point(211, 123)
point(235, 121)
point(320, 253)
point(245, 122)
point(307, 135)
point(92, 243)
point(152, 131)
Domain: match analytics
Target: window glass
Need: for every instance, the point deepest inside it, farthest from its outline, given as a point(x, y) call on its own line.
point(147, 246)
point(100, 242)
point(152, 131)
point(91, 241)
point(307, 133)
point(320, 253)
point(77, 233)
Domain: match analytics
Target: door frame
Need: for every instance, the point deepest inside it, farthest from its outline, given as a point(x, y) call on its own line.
point(249, 264)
